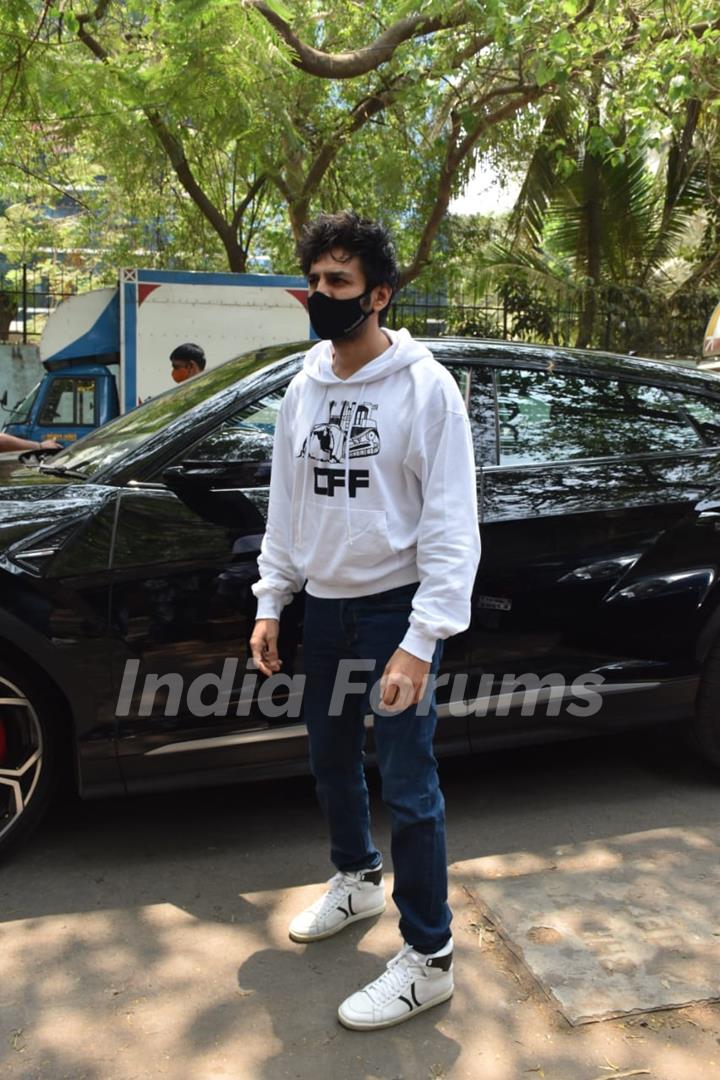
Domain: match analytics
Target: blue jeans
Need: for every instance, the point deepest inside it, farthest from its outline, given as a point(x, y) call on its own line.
point(369, 629)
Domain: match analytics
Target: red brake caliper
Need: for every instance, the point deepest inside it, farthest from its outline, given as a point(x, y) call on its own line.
point(3, 743)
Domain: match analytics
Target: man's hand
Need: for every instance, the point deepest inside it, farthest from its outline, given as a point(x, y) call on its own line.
point(263, 645)
point(403, 681)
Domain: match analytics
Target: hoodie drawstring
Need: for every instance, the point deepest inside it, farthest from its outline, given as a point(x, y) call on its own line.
point(353, 417)
point(306, 467)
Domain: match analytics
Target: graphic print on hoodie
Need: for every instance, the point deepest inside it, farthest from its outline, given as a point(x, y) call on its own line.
point(348, 432)
point(352, 512)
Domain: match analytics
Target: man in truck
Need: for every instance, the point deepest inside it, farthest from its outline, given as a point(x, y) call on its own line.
point(187, 360)
point(373, 509)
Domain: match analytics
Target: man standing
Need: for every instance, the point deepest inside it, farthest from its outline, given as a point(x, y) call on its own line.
point(373, 508)
point(187, 360)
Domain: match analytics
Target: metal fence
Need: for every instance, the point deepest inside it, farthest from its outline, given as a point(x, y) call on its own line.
point(625, 320)
point(28, 295)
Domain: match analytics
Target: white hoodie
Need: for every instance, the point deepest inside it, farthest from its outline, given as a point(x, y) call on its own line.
point(373, 487)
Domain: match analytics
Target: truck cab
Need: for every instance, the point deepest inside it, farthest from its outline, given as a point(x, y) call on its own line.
point(71, 401)
point(80, 351)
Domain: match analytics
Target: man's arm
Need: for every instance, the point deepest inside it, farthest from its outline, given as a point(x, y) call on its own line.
point(448, 547)
point(279, 576)
point(13, 442)
point(448, 552)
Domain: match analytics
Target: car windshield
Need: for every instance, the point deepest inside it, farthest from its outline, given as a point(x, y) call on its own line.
point(114, 440)
point(21, 413)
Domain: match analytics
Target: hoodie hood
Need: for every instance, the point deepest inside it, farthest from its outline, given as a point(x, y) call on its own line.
point(402, 352)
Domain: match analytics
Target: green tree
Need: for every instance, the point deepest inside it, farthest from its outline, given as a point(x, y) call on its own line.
point(593, 218)
point(229, 118)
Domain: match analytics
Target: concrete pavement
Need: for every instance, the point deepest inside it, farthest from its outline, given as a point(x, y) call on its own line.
point(147, 937)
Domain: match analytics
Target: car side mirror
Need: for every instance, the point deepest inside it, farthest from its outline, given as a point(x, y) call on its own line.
point(218, 475)
point(214, 490)
point(38, 454)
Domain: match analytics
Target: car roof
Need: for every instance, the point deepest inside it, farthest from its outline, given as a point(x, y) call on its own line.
point(587, 361)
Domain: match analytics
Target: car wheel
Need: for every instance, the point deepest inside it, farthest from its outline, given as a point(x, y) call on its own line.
point(706, 722)
point(28, 756)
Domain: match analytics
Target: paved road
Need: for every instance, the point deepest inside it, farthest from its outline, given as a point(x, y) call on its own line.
point(147, 937)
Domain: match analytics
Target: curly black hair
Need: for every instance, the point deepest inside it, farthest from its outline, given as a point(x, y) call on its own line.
point(369, 240)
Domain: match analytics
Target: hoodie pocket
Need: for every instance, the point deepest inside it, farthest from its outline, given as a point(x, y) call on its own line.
point(344, 542)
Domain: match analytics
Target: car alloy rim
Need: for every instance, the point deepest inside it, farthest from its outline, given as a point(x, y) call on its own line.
point(21, 752)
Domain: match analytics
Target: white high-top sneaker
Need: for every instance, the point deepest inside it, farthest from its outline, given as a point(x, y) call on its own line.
point(349, 897)
point(411, 983)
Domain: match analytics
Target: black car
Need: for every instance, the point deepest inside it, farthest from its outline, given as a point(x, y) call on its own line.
point(126, 563)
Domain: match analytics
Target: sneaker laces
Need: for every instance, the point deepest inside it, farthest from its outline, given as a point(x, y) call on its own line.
point(338, 887)
point(396, 977)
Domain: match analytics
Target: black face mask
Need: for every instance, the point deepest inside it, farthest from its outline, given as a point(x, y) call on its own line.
point(333, 319)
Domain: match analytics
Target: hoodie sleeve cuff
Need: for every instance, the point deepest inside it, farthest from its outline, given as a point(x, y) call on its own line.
point(269, 606)
point(419, 644)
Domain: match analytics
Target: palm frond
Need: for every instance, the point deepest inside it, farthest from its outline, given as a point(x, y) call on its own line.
point(540, 269)
point(527, 219)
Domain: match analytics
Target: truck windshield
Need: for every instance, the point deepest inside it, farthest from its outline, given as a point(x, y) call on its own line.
point(112, 442)
point(21, 413)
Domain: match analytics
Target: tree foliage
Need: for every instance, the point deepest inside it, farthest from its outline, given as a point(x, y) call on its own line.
point(206, 132)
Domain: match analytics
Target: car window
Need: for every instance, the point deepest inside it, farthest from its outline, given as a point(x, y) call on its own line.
point(705, 412)
point(248, 434)
point(245, 436)
point(554, 416)
point(481, 410)
point(69, 401)
point(21, 413)
point(461, 375)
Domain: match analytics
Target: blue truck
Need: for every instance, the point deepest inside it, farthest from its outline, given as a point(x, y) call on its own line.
point(107, 350)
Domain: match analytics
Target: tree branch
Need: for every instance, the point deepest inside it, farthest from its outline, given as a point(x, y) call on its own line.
point(23, 54)
point(696, 29)
point(530, 93)
point(458, 150)
point(360, 115)
point(704, 271)
point(176, 154)
point(44, 180)
point(252, 191)
point(583, 14)
point(173, 147)
point(98, 13)
point(87, 39)
point(169, 142)
point(360, 61)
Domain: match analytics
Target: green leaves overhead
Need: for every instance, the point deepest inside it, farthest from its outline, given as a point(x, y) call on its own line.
point(211, 129)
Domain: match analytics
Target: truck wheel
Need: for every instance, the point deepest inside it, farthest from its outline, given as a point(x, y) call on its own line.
point(705, 728)
point(28, 756)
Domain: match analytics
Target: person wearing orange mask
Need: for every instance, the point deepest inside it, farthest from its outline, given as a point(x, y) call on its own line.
point(187, 360)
